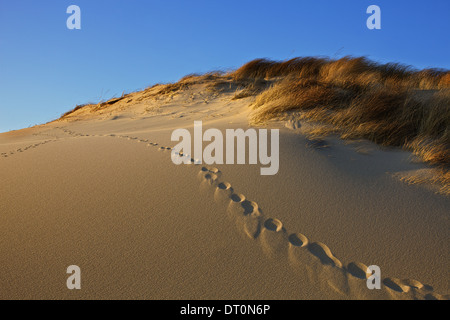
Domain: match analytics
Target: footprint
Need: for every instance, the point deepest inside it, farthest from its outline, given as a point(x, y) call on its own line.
point(316, 259)
point(223, 192)
point(249, 207)
point(214, 170)
point(235, 204)
point(414, 284)
point(357, 280)
point(298, 240)
point(249, 218)
point(396, 285)
point(358, 270)
point(211, 178)
point(209, 181)
point(274, 225)
point(418, 290)
point(252, 224)
point(208, 173)
point(187, 159)
point(302, 261)
point(321, 251)
point(179, 157)
point(274, 238)
point(299, 255)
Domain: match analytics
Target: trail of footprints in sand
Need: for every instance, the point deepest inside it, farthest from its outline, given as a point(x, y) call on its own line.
point(29, 147)
point(314, 259)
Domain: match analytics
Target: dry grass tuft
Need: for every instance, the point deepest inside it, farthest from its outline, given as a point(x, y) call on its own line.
point(389, 104)
point(437, 178)
point(78, 107)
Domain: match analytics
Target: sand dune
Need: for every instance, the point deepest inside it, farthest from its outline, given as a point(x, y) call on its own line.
point(98, 189)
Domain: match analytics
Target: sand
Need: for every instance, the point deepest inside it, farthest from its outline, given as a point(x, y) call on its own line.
point(97, 191)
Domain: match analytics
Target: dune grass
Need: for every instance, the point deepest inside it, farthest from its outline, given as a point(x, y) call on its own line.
point(390, 104)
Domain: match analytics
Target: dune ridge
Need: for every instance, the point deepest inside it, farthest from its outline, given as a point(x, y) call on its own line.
point(390, 104)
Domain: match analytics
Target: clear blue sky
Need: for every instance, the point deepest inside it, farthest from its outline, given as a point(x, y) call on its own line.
point(46, 69)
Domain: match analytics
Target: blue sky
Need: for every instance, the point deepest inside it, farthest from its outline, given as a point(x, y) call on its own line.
point(46, 69)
